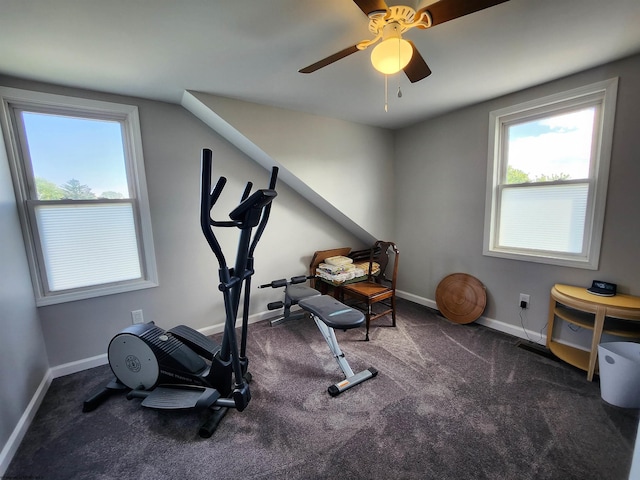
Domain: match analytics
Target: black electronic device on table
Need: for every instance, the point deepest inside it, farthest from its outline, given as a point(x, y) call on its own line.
point(604, 289)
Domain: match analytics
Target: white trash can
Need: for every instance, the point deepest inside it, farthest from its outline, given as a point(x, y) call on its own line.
point(619, 364)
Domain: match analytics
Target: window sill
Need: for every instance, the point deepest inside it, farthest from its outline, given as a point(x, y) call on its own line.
point(100, 291)
point(574, 262)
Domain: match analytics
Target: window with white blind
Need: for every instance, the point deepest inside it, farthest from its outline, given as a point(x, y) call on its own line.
point(79, 177)
point(547, 177)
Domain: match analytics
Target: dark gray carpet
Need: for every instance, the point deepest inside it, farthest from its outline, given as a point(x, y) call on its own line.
point(450, 402)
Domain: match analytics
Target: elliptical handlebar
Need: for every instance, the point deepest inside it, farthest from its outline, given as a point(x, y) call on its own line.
point(207, 199)
point(252, 211)
point(265, 213)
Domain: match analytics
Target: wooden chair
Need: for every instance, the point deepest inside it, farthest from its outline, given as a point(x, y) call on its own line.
point(378, 288)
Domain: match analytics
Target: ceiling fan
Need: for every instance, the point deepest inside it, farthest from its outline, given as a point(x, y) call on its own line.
point(388, 24)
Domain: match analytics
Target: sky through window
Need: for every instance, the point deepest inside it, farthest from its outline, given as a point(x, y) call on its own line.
point(90, 151)
point(557, 145)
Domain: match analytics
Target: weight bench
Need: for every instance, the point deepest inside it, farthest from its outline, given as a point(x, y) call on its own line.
point(328, 313)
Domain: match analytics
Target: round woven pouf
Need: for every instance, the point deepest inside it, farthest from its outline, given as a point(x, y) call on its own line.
point(461, 297)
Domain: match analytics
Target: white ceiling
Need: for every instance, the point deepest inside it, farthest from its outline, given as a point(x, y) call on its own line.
point(252, 50)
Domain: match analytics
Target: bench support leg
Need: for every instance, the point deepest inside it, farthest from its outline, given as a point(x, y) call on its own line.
point(351, 379)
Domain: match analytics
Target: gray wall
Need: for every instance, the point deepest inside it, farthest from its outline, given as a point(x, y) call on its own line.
point(23, 358)
point(441, 168)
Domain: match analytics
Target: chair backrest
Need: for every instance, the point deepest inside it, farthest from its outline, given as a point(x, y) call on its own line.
point(385, 254)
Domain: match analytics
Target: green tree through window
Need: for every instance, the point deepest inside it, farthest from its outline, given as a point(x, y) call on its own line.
point(73, 190)
point(48, 190)
point(517, 176)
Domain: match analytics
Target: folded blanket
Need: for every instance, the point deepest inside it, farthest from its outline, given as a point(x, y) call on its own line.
point(341, 277)
point(338, 260)
point(335, 269)
point(375, 267)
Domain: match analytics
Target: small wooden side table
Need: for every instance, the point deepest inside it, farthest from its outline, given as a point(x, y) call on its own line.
point(618, 315)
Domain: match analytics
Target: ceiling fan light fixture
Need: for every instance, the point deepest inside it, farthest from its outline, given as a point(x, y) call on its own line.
point(393, 53)
point(391, 56)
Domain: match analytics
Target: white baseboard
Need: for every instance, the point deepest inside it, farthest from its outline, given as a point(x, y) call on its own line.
point(218, 328)
point(78, 366)
point(513, 330)
point(494, 324)
point(416, 299)
point(11, 447)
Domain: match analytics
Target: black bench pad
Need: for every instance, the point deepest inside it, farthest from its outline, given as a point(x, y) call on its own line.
point(332, 312)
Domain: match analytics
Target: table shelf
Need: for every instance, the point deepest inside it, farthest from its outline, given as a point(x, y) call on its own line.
point(612, 326)
point(573, 356)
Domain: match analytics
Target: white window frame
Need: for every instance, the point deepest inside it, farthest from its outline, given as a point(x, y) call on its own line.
point(602, 94)
point(15, 99)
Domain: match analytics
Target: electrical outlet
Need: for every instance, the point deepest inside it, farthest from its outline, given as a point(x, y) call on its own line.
point(136, 316)
point(524, 300)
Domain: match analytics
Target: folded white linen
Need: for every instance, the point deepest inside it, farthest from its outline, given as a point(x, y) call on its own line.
point(333, 269)
point(338, 260)
point(341, 277)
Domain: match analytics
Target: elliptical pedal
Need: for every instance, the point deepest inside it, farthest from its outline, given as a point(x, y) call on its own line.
point(177, 397)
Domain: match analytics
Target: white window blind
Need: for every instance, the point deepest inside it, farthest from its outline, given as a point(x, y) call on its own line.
point(88, 244)
point(544, 218)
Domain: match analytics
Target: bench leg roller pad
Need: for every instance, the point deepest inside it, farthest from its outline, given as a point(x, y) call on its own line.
point(337, 388)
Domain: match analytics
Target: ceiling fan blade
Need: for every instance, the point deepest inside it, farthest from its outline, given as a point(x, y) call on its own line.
point(330, 59)
point(370, 6)
point(446, 10)
point(417, 68)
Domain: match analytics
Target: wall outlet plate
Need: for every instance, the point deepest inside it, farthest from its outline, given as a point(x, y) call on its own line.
point(136, 316)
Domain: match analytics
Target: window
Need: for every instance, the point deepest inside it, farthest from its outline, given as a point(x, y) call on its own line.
point(547, 177)
point(79, 179)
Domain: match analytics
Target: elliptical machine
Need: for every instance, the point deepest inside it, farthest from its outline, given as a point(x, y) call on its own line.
point(181, 368)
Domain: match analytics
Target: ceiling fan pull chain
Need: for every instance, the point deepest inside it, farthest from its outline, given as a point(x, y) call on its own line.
point(386, 100)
